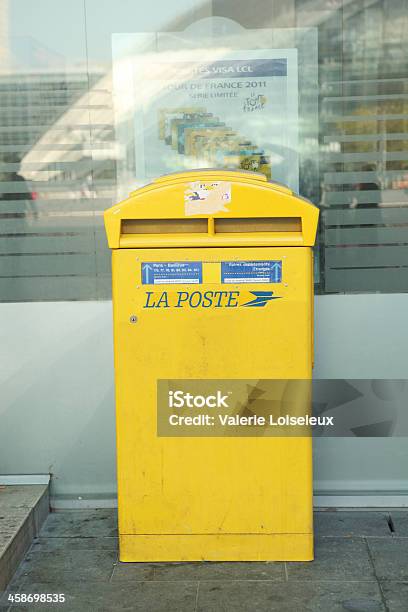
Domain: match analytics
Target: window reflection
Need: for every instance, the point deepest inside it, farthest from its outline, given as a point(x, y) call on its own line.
point(60, 150)
point(364, 153)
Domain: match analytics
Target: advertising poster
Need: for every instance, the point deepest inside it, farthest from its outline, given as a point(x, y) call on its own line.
point(239, 111)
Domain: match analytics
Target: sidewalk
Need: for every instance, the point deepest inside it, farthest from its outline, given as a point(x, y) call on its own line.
point(361, 565)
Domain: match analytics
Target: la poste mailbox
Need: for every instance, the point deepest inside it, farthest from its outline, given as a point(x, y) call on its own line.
point(212, 301)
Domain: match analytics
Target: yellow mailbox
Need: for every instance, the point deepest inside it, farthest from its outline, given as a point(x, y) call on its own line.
point(212, 293)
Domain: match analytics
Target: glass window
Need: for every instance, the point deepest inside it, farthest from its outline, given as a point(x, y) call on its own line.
point(364, 150)
point(64, 157)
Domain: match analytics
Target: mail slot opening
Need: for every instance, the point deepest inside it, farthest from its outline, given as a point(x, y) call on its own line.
point(257, 224)
point(164, 226)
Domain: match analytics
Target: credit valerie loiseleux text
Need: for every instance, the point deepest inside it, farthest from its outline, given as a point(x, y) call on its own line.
point(179, 399)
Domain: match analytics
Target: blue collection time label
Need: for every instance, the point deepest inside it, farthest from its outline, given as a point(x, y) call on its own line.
point(269, 271)
point(172, 272)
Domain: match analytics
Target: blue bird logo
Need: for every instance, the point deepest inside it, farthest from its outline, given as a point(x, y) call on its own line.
point(261, 298)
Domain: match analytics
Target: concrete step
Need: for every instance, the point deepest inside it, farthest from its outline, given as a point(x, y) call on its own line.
point(23, 509)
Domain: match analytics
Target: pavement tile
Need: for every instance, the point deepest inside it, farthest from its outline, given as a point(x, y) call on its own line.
point(349, 524)
point(396, 595)
point(64, 543)
point(66, 565)
point(248, 596)
point(200, 571)
point(130, 572)
point(390, 558)
point(109, 597)
point(81, 524)
point(344, 559)
point(400, 521)
point(220, 571)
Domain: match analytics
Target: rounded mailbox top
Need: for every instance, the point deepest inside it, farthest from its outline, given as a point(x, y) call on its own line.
point(211, 207)
point(210, 173)
point(202, 171)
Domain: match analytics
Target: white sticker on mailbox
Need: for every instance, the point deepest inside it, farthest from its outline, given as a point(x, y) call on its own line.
point(203, 198)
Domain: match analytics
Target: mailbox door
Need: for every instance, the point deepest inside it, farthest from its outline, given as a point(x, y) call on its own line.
point(209, 485)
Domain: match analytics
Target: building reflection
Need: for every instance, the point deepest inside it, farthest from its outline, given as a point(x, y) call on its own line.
point(60, 153)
